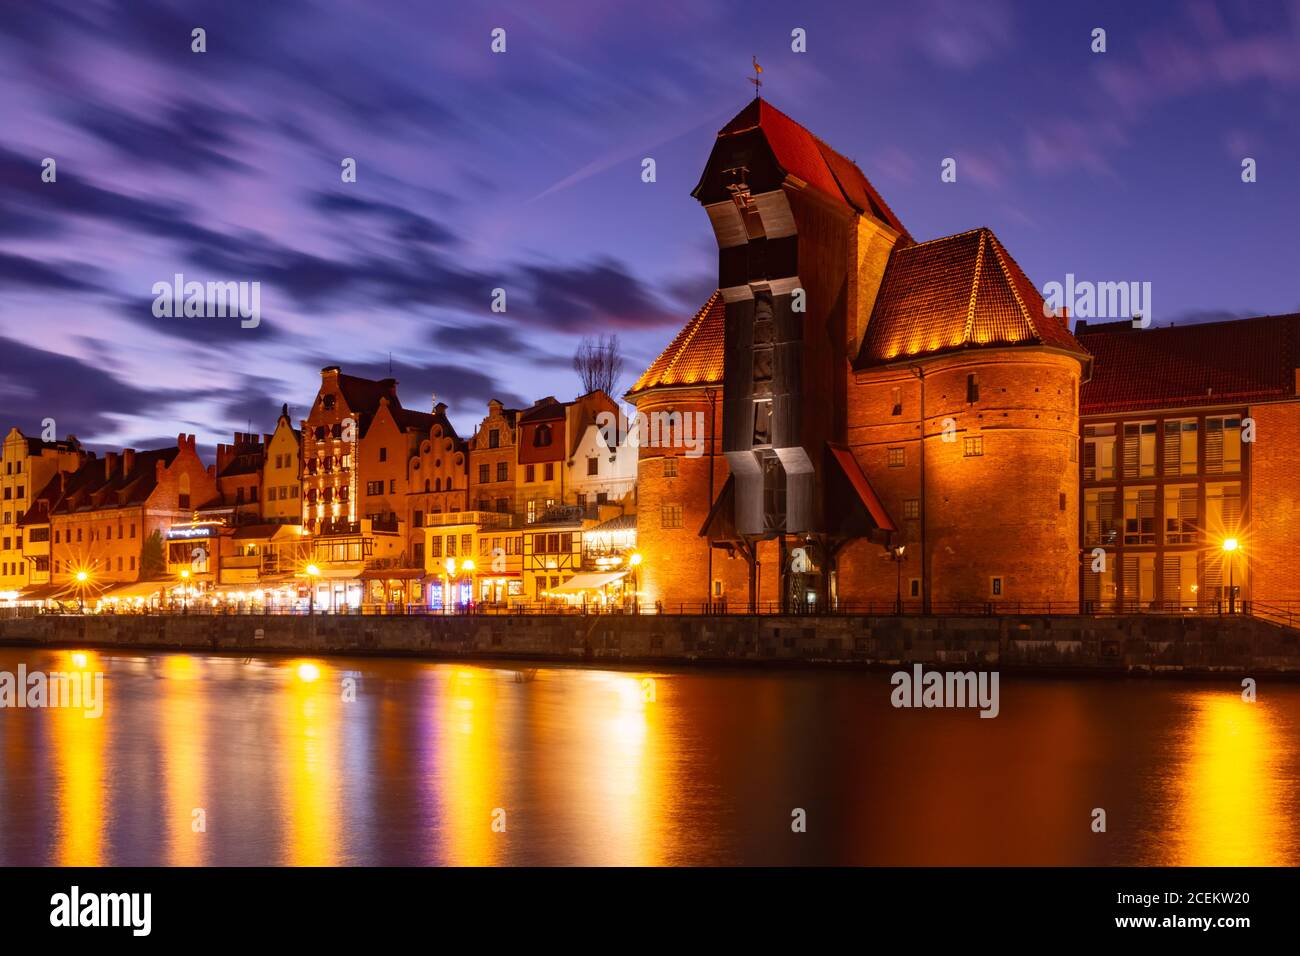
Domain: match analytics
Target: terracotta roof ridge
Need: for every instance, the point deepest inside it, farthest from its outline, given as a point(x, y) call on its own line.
point(677, 346)
point(930, 242)
point(974, 291)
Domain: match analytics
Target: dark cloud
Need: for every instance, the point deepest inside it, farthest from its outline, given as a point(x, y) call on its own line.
point(79, 395)
point(188, 136)
point(228, 330)
point(403, 224)
point(481, 338)
point(597, 296)
point(23, 272)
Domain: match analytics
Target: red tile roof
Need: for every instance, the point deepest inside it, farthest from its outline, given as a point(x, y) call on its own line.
point(1214, 363)
point(958, 292)
point(802, 154)
point(694, 357)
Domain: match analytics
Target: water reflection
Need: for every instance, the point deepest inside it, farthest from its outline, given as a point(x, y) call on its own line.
point(1230, 799)
point(603, 767)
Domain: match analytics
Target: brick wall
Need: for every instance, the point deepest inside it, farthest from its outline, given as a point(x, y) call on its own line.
point(1272, 545)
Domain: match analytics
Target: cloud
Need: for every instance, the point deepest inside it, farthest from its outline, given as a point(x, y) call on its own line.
point(79, 395)
point(591, 297)
point(24, 272)
point(199, 330)
point(189, 137)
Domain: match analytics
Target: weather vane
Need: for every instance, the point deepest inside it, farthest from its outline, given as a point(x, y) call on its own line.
point(754, 79)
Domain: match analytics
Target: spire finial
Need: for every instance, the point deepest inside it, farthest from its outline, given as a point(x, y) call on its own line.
point(754, 79)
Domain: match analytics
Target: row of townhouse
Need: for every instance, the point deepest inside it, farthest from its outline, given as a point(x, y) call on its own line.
point(362, 503)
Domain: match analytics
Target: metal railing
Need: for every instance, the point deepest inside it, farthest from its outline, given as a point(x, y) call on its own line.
point(1285, 613)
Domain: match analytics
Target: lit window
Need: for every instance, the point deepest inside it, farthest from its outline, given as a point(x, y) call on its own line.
point(973, 447)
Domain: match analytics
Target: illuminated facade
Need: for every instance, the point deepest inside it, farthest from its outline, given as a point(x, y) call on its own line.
point(26, 466)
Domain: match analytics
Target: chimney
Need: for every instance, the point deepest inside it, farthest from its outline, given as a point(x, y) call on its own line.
point(128, 460)
point(440, 408)
point(110, 464)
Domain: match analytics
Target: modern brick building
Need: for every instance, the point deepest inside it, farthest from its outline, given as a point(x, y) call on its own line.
point(1189, 442)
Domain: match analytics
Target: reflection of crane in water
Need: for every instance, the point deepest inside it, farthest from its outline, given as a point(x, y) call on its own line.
point(526, 675)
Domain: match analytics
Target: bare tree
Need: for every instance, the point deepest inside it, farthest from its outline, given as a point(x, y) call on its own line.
point(599, 363)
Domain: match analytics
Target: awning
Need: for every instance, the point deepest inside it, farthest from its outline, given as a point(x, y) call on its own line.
point(137, 589)
point(862, 488)
point(392, 574)
point(591, 581)
point(47, 592)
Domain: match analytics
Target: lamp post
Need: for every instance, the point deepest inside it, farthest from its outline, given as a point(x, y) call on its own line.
point(313, 572)
point(185, 579)
point(634, 562)
point(467, 569)
point(898, 555)
point(1230, 546)
point(82, 578)
point(449, 588)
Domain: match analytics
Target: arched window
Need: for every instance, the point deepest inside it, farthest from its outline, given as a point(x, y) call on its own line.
point(426, 484)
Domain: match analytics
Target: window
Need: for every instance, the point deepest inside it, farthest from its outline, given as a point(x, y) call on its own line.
point(494, 438)
point(451, 546)
point(503, 505)
point(912, 508)
point(593, 466)
point(466, 544)
point(417, 519)
point(374, 487)
point(896, 459)
point(670, 515)
point(1222, 445)
point(532, 510)
point(1099, 521)
point(1139, 516)
point(1180, 447)
point(1222, 512)
point(503, 471)
point(435, 546)
point(670, 467)
point(1180, 514)
point(897, 402)
point(972, 388)
point(327, 401)
point(1098, 452)
point(383, 454)
point(484, 473)
point(973, 447)
point(1139, 449)
point(914, 587)
point(392, 485)
point(549, 471)
point(1062, 500)
point(542, 436)
point(530, 473)
point(995, 587)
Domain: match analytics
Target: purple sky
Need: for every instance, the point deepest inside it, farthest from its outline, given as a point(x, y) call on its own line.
point(522, 171)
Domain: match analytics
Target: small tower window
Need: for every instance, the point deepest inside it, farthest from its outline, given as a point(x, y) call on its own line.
point(972, 388)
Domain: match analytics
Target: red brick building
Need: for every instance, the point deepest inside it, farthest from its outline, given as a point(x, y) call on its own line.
point(864, 393)
point(1189, 442)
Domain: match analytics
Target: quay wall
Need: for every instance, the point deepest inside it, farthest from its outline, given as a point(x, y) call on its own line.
point(1123, 644)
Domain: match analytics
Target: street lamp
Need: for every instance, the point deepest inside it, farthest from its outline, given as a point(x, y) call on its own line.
point(1230, 545)
point(899, 558)
point(82, 578)
point(185, 577)
point(313, 573)
point(634, 562)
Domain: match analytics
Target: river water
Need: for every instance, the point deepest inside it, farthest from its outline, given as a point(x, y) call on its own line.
point(204, 759)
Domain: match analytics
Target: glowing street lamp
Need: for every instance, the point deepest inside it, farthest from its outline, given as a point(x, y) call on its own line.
point(1230, 545)
point(899, 557)
point(82, 578)
point(313, 573)
point(634, 561)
